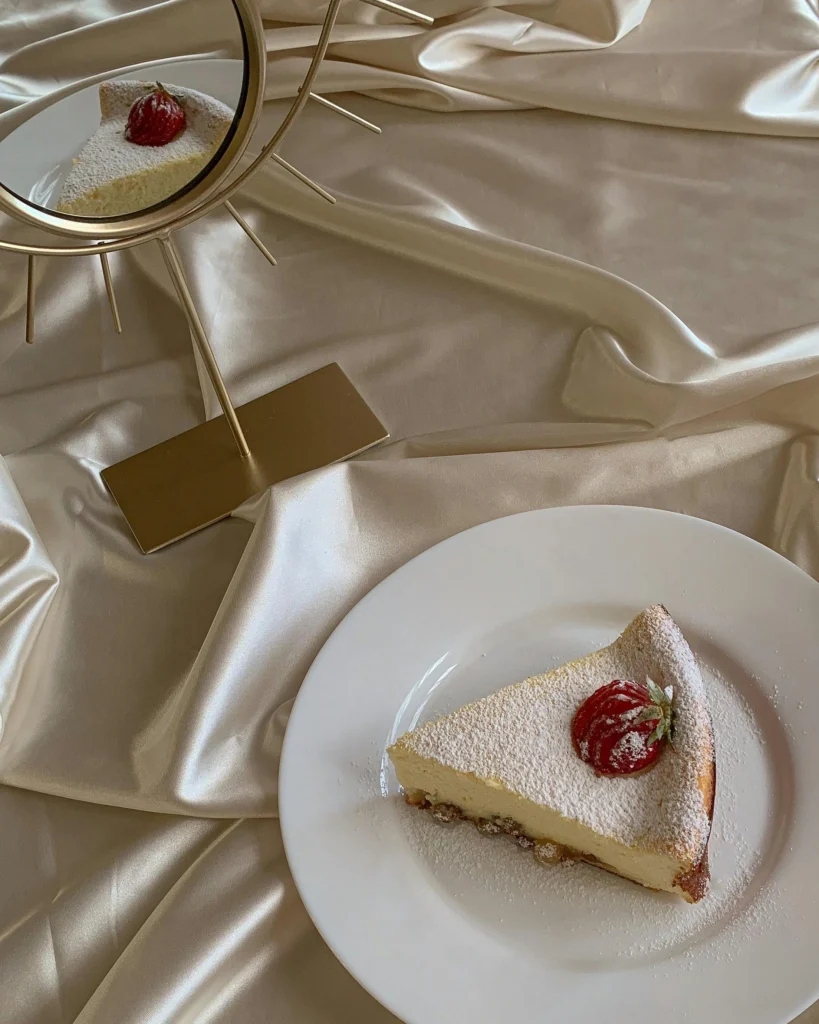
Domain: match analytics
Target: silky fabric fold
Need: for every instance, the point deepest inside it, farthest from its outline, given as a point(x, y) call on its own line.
point(548, 291)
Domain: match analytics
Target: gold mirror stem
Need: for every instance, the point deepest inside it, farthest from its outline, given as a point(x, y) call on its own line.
point(109, 287)
point(30, 302)
point(203, 345)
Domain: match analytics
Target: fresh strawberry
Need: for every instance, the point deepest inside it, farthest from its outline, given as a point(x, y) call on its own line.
point(155, 119)
point(623, 727)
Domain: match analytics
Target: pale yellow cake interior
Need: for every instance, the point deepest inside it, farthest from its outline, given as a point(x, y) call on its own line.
point(138, 191)
point(488, 799)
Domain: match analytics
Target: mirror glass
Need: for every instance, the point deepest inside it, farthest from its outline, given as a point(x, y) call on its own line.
point(117, 114)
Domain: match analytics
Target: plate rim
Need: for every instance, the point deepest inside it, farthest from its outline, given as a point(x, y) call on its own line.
point(380, 992)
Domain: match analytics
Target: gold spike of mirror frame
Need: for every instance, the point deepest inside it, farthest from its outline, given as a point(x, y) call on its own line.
point(204, 474)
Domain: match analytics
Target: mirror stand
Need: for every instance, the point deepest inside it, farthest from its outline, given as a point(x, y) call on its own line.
point(202, 475)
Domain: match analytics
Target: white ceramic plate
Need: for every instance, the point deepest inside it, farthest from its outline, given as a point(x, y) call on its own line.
point(36, 156)
point(441, 924)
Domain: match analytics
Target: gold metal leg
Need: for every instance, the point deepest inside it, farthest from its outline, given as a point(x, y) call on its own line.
point(109, 287)
point(251, 234)
point(303, 178)
point(345, 112)
point(203, 345)
point(405, 12)
point(30, 302)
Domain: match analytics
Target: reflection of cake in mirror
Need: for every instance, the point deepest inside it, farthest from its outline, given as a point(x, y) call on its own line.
point(149, 145)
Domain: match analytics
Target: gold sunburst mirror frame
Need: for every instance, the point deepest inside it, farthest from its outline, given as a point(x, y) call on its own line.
point(200, 476)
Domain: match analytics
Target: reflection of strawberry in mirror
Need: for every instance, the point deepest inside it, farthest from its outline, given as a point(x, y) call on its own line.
point(155, 119)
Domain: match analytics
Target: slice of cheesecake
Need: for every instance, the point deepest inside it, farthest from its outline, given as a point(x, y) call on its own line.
point(111, 176)
point(511, 762)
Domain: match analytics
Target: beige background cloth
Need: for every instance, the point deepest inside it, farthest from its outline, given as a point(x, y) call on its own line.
point(580, 265)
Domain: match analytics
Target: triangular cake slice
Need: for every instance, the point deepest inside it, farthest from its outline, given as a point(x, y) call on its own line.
point(509, 763)
point(111, 176)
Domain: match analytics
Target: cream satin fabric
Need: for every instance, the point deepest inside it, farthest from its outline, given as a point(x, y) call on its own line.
point(580, 303)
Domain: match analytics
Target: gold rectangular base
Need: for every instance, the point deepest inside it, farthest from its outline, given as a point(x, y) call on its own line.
point(198, 477)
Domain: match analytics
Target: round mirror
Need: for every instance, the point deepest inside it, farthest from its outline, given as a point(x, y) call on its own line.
point(125, 131)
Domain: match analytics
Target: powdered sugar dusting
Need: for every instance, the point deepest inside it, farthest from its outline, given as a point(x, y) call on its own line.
point(521, 736)
point(108, 155)
point(631, 747)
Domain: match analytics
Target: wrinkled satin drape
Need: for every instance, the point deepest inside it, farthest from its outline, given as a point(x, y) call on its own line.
point(585, 302)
